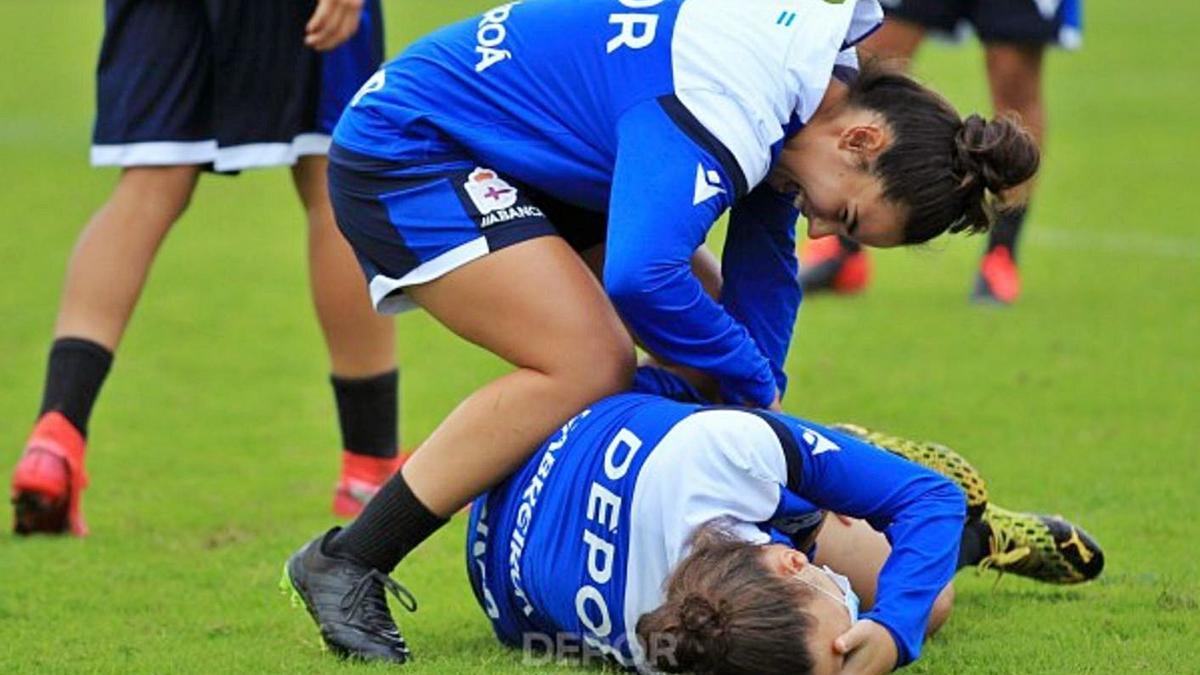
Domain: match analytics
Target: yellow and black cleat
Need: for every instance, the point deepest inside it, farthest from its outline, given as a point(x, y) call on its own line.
point(934, 456)
point(1045, 548)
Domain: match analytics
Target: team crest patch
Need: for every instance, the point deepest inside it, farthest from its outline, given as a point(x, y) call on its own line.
point(489, 192)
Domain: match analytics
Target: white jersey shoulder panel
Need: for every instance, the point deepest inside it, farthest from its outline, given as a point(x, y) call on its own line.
point(713, 464)
point(743, 67)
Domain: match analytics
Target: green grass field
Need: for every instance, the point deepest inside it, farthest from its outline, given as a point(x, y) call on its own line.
point(213, 449)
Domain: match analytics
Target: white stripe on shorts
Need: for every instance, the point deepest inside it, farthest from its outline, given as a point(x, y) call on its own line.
point(253, 155)
point(232, 158)
point(154, 153)
point(382, 286)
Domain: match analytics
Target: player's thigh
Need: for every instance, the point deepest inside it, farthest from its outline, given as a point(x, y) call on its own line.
point(943, 605)
point(897, 39)
point(309, 178)
point(851, 547)
point(468, 245)
point(536, 305)
point(160, 192)
point(1015, 76)
point(907, 22)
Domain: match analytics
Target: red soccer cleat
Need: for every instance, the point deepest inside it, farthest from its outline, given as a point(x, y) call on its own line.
point(999, 281)
point(826, 265)
point(362, 476)
point(48, 483)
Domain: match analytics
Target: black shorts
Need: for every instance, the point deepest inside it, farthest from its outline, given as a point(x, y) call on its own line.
point(226, 83)
point(1037, 22)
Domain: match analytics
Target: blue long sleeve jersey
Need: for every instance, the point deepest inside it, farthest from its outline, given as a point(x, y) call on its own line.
point(577, 545)
point(662, 114)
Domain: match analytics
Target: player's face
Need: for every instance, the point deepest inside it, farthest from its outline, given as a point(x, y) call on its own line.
point(830, 618)
point(826, 170)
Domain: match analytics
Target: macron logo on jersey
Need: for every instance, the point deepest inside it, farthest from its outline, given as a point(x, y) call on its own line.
point(708, 185)
point(818, 444)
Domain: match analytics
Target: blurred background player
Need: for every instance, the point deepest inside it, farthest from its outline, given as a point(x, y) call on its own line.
point(220, 85)
point(1015, 34)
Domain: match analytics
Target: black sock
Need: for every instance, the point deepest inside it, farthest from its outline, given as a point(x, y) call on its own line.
point(393, 523)
point(368, 412)
point(849, 245)
point(74, 376)
point(974, 545)
point(1007, 230)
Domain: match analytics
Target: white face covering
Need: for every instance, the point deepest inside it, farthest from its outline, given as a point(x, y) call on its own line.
point(849, 598)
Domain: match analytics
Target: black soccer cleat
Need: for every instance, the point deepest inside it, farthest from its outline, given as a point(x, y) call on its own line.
point(1049, 549)
point(348, 602)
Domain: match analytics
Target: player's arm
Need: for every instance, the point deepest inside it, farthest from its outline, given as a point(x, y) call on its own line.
point(666, 194)
point(759, 266)
point(919, 511)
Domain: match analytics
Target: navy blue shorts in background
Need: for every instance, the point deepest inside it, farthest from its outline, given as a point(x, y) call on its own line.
point(227, 83)
point(1037, 22)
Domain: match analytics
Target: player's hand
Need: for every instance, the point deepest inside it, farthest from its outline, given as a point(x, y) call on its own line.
point(869, 649)
point(333, 22)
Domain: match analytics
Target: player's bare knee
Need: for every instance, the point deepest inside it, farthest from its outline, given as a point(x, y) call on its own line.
point(604, 366)
point(615, 365)
point(167, 190)
point(942, 607)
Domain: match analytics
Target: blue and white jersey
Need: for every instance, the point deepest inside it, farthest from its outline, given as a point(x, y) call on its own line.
point(661, 114)
point(538, 88)
point(577, 545)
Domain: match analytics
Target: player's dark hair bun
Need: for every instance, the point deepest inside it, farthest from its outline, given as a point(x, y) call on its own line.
point(698, 616)
point(694, 630)
point(726, 612)
point(948, 172)
point(991, 157)
point(703, 634)
point(1000, 154)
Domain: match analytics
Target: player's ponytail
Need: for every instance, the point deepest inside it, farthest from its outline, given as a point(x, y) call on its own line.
point(950, 173)
point(725, 612)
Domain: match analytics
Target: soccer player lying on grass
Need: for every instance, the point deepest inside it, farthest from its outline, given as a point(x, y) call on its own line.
point(679, 537)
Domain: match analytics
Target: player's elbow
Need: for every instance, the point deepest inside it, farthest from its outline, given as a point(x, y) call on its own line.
point(627, 289)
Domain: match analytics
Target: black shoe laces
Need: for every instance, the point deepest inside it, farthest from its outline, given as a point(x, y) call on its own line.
point(368, 594)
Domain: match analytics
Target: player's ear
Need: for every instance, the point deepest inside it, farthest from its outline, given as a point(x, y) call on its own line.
point(867, 140)
point(794, 561)
point(784, 560)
